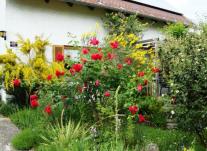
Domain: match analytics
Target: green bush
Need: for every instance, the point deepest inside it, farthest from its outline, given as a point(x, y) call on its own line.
point(7, 109)
point(26, 139)
point(176, 30)
point(184, 66)
point(28, 118)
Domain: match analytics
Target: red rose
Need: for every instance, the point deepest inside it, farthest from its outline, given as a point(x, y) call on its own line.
point(140, 74)
point(62, 73)
point(59, 57)
point(84, 60)
point(139, 88)
point(96, 56)
point(114, 44)
point(110, 56)
point(59, 73)
point(34, 103)
point(155, 70)
point(141, 118)
point(48, 110)
point(128, 61)
point(133, 109)
point(72, 71)
point(77, 67)
point(94, 41)
point(85, 51)
point(33, 97)
point(16, 82)
point(107, 94)
point(49, 77)
point(119, 66)
point(97, 83)
point(145, 82)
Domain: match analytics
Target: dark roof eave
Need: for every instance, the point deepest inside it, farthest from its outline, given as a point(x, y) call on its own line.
point(186, 22)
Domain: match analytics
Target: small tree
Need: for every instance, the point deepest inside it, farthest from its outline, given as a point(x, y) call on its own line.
point(184, 65)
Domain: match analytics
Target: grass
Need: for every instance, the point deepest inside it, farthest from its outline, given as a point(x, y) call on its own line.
point(37, 134)
point(28, 118)
point(7, 109)
point(170, 140)
point(26, 139)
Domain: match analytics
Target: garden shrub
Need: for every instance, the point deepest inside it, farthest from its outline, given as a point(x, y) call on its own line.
point(26, 139)
point(7, 109)
point(176, 30)
point(23, 76)
point(28, 118)
point(184, 66)
point(117, 23)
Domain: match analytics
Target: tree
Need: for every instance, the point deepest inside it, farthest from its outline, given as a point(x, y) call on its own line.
point(184, 65)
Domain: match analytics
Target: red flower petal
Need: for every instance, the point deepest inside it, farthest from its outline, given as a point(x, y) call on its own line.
point(114, 44)
point(155, 70)
point(140, 74)
point(133, 109)
point(16, 82)
point(48, 110)
point(33, 97)
point(85, 51)
point(107, 94)
point(139, 88)
point(34, 103)
point(119, 66)
point(97, 83)
point(59, 57)
point(77, 67)
point(141, 118)
point(94, 41)
point(49, 77)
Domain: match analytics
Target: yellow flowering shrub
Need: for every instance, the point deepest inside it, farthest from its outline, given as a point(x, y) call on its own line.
point(130, 43)
point(9, 57)
point(35, 69)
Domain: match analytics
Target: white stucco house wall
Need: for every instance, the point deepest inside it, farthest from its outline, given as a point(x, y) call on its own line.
point(56, 18)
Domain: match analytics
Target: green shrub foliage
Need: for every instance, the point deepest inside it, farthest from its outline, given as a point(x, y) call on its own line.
point(184, 65)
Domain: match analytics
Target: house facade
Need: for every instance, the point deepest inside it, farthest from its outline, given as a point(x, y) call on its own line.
point(55, 19)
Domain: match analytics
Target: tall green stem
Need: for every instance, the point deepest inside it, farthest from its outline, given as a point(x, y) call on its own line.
point(116, 114)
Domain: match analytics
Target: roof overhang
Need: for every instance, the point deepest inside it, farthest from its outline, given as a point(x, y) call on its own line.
point(141, 9)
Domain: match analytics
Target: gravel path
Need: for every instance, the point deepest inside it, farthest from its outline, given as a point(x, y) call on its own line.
point(7, 131)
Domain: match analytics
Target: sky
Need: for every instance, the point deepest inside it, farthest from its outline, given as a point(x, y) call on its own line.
point(196, 10)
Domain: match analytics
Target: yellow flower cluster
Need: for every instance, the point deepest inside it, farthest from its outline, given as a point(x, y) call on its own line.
point(39, 45)
point(136, 52)
point(9, 57)
point(25, 45)
point(144, 56)
point(36, 69)
point(11, 72)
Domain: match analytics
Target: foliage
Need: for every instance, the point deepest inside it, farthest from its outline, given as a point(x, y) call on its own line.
point(176, 30)
point(167, 139)
point(117, 23)
point(7, 109)
point(26, 139)
point(28, 118)
point(22, 75)
point(66, 137)
point(184, 66)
